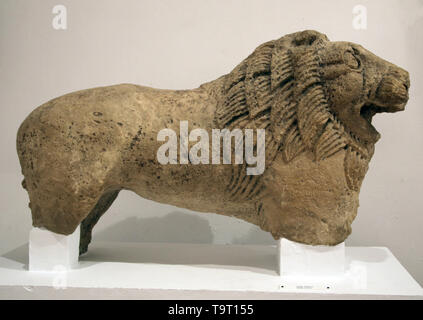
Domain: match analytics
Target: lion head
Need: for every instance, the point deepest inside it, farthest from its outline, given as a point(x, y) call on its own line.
point(314, 95)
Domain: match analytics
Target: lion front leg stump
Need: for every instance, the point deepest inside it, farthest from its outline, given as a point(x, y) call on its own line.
point(313, 98)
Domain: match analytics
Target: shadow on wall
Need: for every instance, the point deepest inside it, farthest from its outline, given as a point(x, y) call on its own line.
point(175, 227)
point(255, 236)
point(178, 227)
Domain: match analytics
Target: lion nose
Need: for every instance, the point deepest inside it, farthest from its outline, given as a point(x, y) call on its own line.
point(400, 75)
point(406, 76)
point(407, 81)
point(392, 92)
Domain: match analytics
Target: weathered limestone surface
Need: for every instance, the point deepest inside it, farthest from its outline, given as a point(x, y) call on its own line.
point(314, 98)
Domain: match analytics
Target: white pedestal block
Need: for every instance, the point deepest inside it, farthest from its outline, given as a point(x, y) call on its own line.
point(296, 259)
point(49, 251)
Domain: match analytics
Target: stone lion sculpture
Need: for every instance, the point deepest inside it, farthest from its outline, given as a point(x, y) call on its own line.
point(314, 98)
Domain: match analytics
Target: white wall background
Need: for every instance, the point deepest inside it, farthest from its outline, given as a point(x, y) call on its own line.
point(179, 45)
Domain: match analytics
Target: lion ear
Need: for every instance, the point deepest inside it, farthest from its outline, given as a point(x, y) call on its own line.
point(308, 38)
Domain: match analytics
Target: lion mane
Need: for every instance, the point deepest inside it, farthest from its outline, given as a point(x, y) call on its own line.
point(279, 88)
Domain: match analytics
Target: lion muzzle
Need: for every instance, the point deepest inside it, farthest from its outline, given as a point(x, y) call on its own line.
point(392, 94)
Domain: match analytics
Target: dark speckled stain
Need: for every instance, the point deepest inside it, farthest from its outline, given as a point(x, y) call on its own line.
point(136, 138)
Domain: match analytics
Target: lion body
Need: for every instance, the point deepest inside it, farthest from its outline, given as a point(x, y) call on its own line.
point(107, 140)
point(79, 150)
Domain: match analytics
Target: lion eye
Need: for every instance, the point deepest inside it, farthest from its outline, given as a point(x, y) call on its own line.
point(351, 60)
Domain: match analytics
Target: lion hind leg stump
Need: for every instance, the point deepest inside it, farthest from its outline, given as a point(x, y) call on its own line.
point(93, 217)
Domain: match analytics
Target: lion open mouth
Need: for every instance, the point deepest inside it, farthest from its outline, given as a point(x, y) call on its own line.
point(363, 128)
point(369, 110)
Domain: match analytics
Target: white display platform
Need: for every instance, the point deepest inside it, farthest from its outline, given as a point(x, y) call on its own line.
point(297, 259)
point(49, 251)
point(202, 271)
